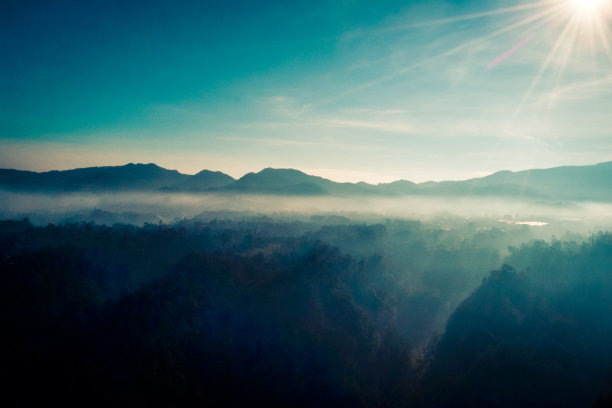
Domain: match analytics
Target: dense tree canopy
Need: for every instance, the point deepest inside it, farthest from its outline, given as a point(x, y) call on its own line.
point(312, 313)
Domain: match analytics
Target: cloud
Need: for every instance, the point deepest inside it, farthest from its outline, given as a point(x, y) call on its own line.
point(272, 141)
point(385, 126)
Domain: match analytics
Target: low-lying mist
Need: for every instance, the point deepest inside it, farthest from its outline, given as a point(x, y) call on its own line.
point(138, 208)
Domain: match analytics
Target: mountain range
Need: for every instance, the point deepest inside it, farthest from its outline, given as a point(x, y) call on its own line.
point(584, 183)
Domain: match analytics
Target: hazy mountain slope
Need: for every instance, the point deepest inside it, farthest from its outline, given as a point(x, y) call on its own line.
point(592, 182)
point(540, 337)
point(571, 182)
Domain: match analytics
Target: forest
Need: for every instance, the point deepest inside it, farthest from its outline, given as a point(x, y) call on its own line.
point(324, 311)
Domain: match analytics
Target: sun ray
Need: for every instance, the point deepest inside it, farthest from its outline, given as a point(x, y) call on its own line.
point(542, 69)
point(592, 48)
point(539, 19)
point(603, 37)
point(544, 16)
point(564, 59)
point(506, 10)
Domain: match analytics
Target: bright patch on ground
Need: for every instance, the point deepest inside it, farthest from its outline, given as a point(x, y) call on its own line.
point(529, 223)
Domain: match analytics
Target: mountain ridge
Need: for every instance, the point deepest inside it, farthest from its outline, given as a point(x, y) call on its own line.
point(589, 182)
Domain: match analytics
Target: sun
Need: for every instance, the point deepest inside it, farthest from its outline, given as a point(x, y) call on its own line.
point(588, 6)
point(590, 12)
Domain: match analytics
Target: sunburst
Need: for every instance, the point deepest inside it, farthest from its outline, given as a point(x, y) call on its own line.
point(583, 25)
point(588, 5)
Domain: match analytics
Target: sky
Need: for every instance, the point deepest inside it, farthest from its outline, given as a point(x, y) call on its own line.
point(351, 90)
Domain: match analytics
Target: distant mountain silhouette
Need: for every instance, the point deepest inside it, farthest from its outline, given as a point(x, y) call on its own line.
point(398, 187)
point(280, 181)
point(138, 177)
point(567, 182)
point(593, 182)
point(203, 181)
point(294, 182)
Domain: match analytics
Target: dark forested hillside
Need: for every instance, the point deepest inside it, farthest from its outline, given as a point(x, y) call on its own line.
point(160, 316)
point(321, 313)
point(541, 336)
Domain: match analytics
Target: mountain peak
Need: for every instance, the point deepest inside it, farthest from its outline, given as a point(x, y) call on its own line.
point(206, 180)
point(271, 175)
point(153, 165)
point(285, 171)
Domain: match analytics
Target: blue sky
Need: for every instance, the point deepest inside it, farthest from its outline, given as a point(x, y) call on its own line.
point(346, 89)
